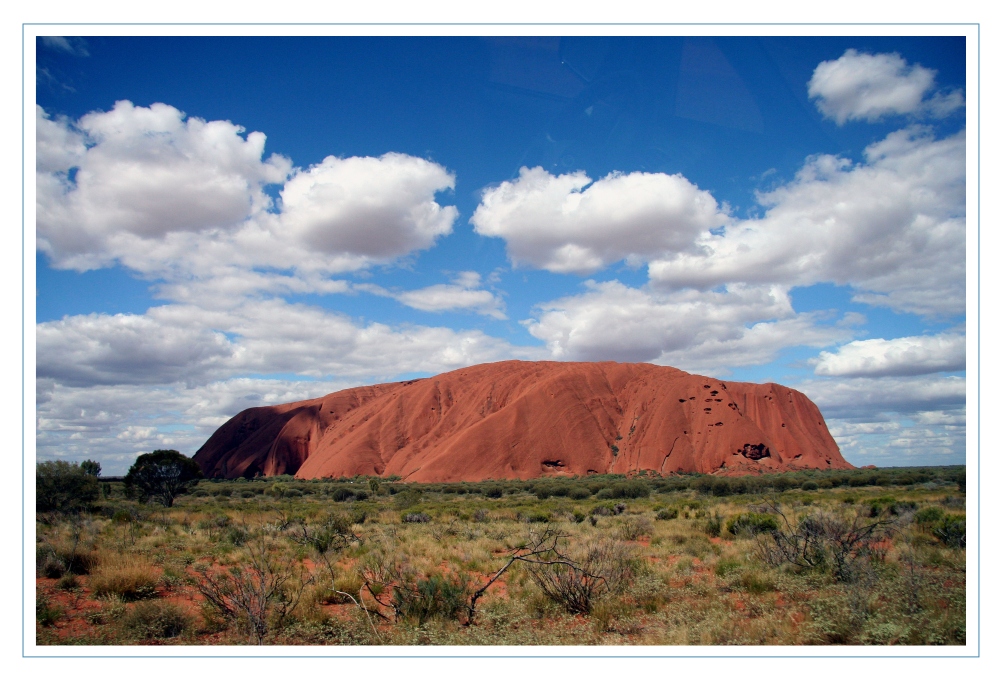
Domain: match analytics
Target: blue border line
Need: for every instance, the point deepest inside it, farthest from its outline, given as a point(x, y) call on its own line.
point(979, 341)
point(473, 23)
point(979, 557)
point(23, 404)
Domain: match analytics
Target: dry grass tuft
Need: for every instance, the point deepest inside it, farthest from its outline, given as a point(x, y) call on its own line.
point(129, 576)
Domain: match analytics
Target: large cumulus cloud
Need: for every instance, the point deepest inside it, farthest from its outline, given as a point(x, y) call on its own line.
point(570, 224)
point(142, 173)
point(183, 200)
point(892, 227)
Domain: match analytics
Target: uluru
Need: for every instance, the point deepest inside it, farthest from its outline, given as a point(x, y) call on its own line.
point(518, 419)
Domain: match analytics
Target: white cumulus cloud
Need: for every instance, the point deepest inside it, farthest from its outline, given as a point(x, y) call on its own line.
point(371, 207)
point(892, 227)
point(181, 200)
point(896, 357)
point(860, 86)
point(148, 172)
point(571, 224)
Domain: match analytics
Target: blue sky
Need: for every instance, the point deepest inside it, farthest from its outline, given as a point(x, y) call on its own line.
point(230, 222)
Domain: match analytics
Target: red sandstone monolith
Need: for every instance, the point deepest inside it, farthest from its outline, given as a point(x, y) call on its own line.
point(518, 419)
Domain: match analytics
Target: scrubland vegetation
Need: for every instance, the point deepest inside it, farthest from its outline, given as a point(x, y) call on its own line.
point(833, 557)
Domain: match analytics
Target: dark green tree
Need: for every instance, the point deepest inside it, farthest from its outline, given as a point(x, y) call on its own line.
point(63, 486)
point(91, 468)
point(161, 475)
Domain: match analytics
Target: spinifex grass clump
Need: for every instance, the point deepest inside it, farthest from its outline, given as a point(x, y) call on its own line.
point(129, 576)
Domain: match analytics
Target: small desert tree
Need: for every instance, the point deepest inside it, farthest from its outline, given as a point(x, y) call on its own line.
point(62, 486)
point(162, 475)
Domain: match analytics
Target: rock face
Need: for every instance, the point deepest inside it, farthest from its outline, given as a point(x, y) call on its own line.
point(526, 420)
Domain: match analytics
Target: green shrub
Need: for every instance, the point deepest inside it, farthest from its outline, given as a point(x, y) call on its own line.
point(579, 493)
point(714, 525)
point(47, 563)
point(53, 562)
point(810, 485)
point(950, 530)
point(890, 505)
point(154, 619)
point(537, 517)
point(46, 613)
point(721, 487)
point(749, 524)
point(435, 596)
point(926, 517)
point(68, 582)
point(406, 499)
point(726, 565)
point(342, 494)
point(629, 489)
point(667, 514)
point(237, 536)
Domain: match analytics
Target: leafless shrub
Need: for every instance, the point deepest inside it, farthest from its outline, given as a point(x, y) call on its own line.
point(327, 538)
point(847, 546)
point(633, 527)
point(575, 583)
point(260, 590)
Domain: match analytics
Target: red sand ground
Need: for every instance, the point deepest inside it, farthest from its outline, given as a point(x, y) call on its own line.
point(526, 420)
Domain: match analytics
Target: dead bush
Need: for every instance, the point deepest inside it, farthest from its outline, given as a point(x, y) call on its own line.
point(823, 540)
point(633, 527)
point(577, 581)
point(258, 592)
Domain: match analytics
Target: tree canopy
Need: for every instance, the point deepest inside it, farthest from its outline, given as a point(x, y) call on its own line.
point(162, 475)
point(63, 486)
